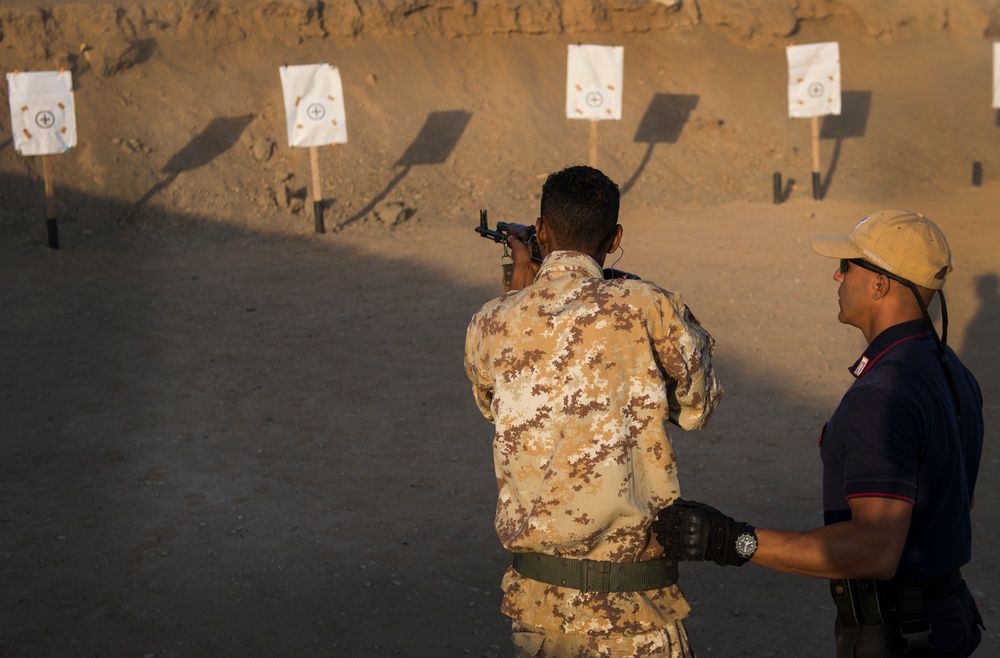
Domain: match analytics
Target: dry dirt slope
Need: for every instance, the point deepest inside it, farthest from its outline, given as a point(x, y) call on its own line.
point(179, 103)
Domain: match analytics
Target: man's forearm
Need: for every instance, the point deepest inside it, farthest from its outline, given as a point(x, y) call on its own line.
point(818, 553)
point(865, 547)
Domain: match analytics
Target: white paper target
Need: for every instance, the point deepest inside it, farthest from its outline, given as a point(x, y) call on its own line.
point(42, 114)
point(594, 78)
point(996, 75)
point(813, 79)
point(314, 105)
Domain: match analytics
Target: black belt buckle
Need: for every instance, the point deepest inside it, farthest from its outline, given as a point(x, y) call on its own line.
point(595, 576)
point(914, 625)
point(917, 633)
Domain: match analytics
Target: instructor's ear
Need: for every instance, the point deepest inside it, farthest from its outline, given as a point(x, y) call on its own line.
point(881, 287)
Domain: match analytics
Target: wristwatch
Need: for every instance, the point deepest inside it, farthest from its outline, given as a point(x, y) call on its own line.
point(746, 543)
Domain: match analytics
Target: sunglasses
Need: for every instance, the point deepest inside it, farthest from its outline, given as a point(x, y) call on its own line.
point(868, 266)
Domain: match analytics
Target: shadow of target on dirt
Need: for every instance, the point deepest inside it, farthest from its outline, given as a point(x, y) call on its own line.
point(433, 145)
point(851, 123)
point(220, 135)
point(662, 123)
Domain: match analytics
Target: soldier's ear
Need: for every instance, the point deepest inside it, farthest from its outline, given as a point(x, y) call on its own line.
point(542, 233)
point(615, 240)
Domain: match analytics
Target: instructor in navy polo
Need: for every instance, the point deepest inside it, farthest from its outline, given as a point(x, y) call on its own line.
point(900, 458)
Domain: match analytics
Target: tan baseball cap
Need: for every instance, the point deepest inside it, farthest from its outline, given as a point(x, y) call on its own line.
point(901, 242)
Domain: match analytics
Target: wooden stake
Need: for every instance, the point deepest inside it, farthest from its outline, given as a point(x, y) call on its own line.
point(815, 158)
point(317, 189)
point(50, 204)
point(593, 143)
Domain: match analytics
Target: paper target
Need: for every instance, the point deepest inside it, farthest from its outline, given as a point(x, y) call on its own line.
point(813, 79)
point(42, 113)
point(594, 79)
point(996, 75)
point(314, 105)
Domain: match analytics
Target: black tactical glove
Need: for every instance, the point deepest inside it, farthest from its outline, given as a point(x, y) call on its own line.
point(695, 531)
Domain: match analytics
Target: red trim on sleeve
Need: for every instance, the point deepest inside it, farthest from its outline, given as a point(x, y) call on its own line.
point(871, 494)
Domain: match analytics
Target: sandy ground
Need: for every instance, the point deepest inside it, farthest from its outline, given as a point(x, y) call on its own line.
point(222, 434)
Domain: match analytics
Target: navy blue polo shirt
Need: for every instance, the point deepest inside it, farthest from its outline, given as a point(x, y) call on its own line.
point(895, 435)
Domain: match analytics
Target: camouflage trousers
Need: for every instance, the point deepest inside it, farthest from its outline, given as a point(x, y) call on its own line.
point(668, 642)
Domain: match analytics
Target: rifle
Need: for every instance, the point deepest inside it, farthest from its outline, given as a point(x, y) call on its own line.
point(527, 235)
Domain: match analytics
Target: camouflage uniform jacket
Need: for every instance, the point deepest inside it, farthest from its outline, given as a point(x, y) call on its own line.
point(580, 375)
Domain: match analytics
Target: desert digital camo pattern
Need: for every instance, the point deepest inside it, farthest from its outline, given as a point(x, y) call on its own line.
point(580, 375)
point(671, 641)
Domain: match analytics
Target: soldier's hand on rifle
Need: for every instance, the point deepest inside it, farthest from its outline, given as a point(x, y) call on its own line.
point(524, 268)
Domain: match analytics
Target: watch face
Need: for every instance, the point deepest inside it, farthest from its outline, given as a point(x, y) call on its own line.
point(746, 545)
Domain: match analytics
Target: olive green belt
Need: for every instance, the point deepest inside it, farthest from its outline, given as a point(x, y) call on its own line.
point(597, 576)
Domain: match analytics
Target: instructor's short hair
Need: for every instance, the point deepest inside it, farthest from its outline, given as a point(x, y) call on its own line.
point(580, 205)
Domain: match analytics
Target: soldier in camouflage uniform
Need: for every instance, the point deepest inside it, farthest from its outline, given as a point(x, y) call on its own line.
point(580, 374)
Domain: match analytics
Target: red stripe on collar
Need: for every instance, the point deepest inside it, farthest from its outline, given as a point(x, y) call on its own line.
point(865, 362)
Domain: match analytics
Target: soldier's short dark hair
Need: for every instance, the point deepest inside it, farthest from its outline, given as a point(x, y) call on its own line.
point(580, 205)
